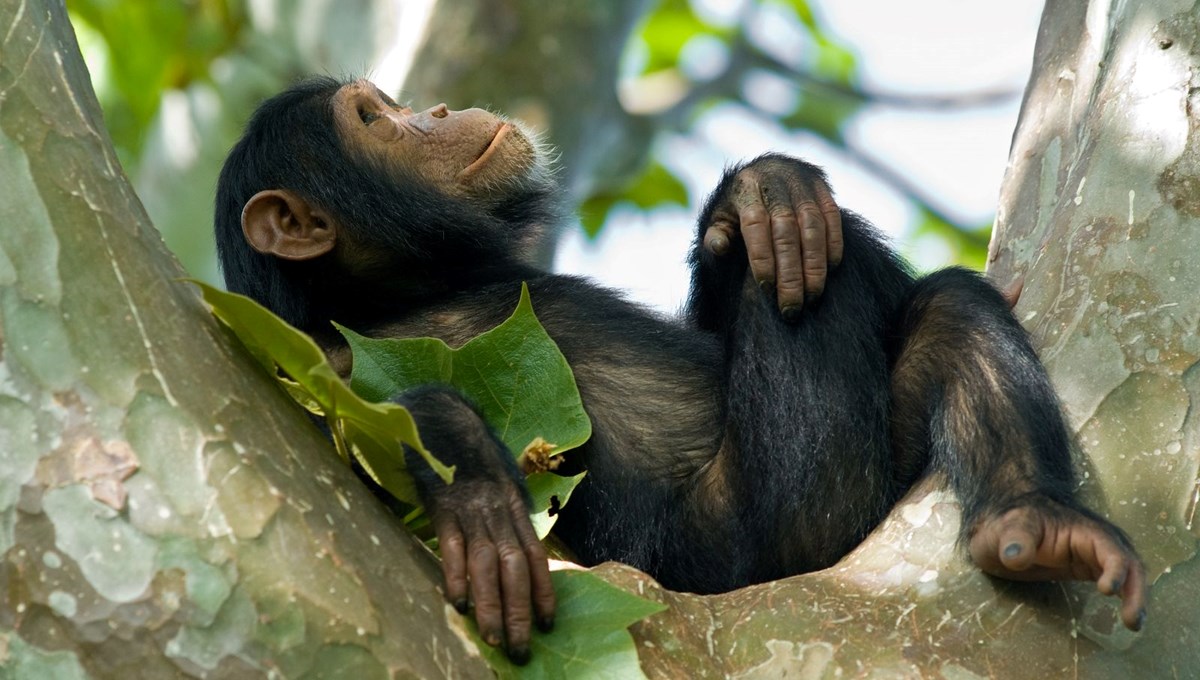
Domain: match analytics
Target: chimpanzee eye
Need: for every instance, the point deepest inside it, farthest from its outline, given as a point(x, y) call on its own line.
point(367, 117)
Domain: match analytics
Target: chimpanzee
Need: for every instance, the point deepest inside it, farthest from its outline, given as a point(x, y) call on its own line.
point(809, 383)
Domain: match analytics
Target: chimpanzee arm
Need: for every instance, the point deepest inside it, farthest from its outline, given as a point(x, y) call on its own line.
point(971, 397)
point(482, 521)
point(806, 393)
point(776, 215)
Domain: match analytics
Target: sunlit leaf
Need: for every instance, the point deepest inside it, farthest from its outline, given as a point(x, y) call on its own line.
point(653, 188)
point(545, 487)
point(835, 62)
point(373, 433)
point(152, 47)
point(589, 640)
point(514, 373)
point(666, 30)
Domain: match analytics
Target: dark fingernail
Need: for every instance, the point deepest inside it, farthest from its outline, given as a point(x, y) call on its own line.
point(461, 605)
point(492, 639)
point(766, 286)
point(545, 623)
point(791, 313)
point(1141, 621)
point(1117, 584)
point(519, 655)
point(1012, 550)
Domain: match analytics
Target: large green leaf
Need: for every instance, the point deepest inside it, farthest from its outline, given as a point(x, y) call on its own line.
point(372, 433)
point(522, 383)
point(589, 640)
point(514, 373)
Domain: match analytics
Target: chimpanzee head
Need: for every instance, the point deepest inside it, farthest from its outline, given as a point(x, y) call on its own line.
point(336, 193)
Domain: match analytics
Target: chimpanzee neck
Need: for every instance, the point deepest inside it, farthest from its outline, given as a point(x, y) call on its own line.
point(367, 301)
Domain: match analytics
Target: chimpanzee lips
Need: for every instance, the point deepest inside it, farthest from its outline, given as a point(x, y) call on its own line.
point(490, 151)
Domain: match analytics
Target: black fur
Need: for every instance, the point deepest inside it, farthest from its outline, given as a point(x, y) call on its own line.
point(730, 447)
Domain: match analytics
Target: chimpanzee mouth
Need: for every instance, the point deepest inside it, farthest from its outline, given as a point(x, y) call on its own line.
point(490, 151)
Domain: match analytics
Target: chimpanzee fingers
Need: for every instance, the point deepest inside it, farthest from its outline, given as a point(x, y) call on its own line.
point(454, 559)
point(541, 587)
point(719, 236)
point(786, 246)
point(833, 223)
point(1133, 597)
point(755, 225)
point(1008, 545)
point(1122, 575)
point(1113, 571)
point(816, 256)
point(482, 565)
point(1018, 544)
point(514, 586)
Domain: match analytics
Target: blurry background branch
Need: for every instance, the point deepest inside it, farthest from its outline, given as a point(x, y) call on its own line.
point(615, 85)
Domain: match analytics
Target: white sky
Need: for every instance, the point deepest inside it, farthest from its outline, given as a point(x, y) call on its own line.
point(916, 47)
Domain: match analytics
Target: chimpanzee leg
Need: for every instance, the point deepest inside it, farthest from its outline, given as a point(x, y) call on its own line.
point(808, 402)
point(971, 399)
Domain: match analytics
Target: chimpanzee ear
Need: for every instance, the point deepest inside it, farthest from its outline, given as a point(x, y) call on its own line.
point(280, 223)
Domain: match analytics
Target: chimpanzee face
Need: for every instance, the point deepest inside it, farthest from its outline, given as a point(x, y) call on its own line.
point(465, 153)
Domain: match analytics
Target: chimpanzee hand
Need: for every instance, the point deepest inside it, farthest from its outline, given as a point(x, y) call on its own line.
point(489, 549)
point(791, 226)
point(1043, 540)
point(490, 553)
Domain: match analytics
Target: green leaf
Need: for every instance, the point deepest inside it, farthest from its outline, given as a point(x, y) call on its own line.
point(968, 243)
point(373, 433)
point(654, 187)
point(522, 383)
point(594, 212)
point(589, 639)
point(835, 62)
point(823, 111)
point(176, 43)
point(514, 373)
point(666, 30)
point(543, 488)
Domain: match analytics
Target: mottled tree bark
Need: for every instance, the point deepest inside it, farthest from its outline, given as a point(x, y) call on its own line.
point(164, 509)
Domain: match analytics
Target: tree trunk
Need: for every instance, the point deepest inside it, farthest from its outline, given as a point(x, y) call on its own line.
point(165, 511)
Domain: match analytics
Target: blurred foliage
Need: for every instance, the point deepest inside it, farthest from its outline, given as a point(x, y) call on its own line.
point(140, 51)
point(144, 49)
point(824, 72)
point(669, 28)
point(654, 187)
point(968, 246)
